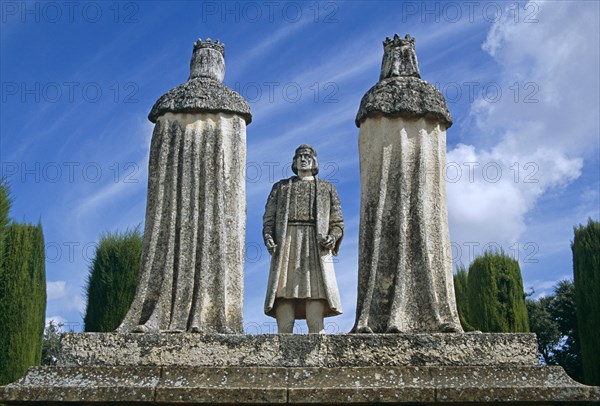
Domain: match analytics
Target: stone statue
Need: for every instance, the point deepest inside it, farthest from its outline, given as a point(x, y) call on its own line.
point(302, 228)
point(400, 60)
point(405, 267)
point(191, 276)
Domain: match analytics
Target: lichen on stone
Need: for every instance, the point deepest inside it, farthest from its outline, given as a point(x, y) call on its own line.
point(407, 97)
point(201, 95)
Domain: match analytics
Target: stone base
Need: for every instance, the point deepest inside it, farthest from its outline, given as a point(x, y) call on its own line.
point(298, 369)
point(251, 385)
point(288, 350)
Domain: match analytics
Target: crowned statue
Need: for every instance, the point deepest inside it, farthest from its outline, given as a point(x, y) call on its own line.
point(192, 270)
point(405, 282)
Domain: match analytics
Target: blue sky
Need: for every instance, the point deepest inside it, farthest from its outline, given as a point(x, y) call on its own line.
point(521, 80)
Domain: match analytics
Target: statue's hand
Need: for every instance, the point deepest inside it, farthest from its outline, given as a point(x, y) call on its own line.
point(328, 242)
point(270, 245)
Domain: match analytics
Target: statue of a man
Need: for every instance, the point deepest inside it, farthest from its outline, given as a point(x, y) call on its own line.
point(302, 228)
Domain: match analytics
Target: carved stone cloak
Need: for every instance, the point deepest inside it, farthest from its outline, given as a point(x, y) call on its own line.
point(405, 282)
point(275, 222)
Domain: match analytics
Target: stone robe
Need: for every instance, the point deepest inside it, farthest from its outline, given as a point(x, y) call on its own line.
point(328, 220)
point(191, 275)
point(405, 263)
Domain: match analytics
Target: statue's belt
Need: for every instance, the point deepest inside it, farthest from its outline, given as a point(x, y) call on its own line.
point(301, 223)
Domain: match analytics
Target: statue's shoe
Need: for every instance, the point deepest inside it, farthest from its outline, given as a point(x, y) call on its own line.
point(364, 330)
point(394, 330)
point(222, 330)
point(226, 330)
point(450, 328)
point(143, 328)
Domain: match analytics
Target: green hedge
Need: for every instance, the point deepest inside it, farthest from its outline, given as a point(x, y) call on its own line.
point(586, 274)
point(496, 300)
point(22, 299)
point(112, 280)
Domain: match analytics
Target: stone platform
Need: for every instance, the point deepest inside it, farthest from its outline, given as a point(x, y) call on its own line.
point(299, 369)
point(287, 350)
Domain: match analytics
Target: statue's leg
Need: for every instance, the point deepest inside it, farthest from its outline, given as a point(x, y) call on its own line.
point(315, 309)
point(285, 315)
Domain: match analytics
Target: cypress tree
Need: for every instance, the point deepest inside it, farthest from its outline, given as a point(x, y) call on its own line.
point(496, 299)
point(586, 275)
point(22, 300)
point(5, 204)
point(462, 299)
point(112, 280)
point(38, 289)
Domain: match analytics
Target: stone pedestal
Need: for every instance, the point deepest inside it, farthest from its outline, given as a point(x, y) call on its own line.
point(299, 369)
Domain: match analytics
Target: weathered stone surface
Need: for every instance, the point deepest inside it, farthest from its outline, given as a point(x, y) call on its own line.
point(203, 92)
point(400, 91)
point(255, 385)
point(399, 58)
point(298, 369)
point(192, 268)
point(208, 60)
point(405, 97)
point(314, 350)
point(515, 384)
point(405, 263)
point(405, 282)
point(85, 384)
point(201, 95)
point(437, 384)
point(223, 385)
point(361, 385)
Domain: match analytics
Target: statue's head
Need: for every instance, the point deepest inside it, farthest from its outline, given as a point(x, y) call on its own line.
point(208, 60)
point(305, 155)
point(399, 58)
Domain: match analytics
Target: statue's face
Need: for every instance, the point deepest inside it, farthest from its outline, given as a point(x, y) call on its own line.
point(304, 161)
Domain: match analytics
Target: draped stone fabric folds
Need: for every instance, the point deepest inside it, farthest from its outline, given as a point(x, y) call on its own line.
point(405, 263)
point(405, 282)
point(192, 264)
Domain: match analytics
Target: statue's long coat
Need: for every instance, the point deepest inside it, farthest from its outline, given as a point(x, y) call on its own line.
point(329, 213)
point(192, 266)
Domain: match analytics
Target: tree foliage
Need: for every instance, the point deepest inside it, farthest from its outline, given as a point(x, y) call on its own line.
point(51, 343)
point(462, 301)
point(586, 274)
point(554, 320)
point(22, 299)
point(496, 300)
point(112, 280)
point(5, 204)
point(564, 310)
point(542, 323)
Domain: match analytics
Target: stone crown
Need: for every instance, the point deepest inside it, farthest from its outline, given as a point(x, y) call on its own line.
point(217, 46)
point(398, 42)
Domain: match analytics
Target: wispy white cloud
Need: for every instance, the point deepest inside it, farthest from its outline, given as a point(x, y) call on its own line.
point(262, 48)
point(56, 289)
point(541, 146)
point(107, 193)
